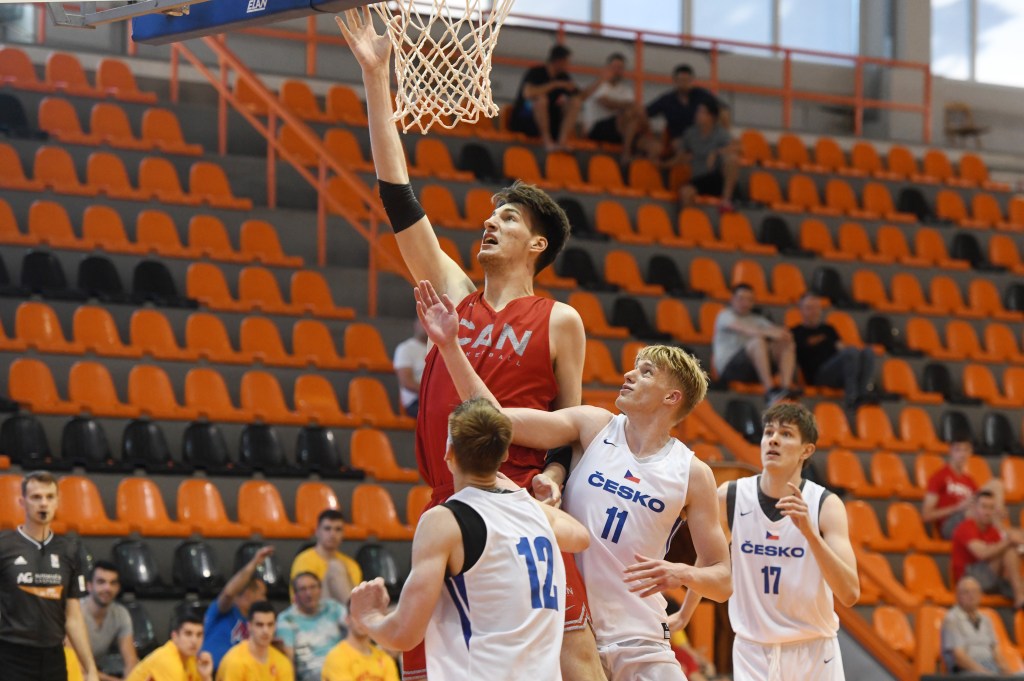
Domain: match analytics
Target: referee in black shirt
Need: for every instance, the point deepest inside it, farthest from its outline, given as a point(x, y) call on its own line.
point(40, 584)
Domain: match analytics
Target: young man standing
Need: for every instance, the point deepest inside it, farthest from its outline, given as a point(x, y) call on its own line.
point(529, 350)
point(227, 619)
point(310, 627)
point(358, 659)
point(632, 487)
point(179, 659)
point(791, 555)
point(40, 587)
point(108, 622)
point(255, 659)
point(494, 552)
point(337, 572)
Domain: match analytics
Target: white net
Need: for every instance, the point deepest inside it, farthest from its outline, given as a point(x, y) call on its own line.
point(443, 54)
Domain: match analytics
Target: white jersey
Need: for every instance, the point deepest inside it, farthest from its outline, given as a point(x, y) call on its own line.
point(630, 506)
point(502, 619)
point(779, 594)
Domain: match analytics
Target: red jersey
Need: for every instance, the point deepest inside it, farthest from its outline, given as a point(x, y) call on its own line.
point(951, 487)
point(510, 351)
point(965, 533)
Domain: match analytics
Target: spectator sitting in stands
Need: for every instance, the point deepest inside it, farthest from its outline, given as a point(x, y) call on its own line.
point(968, 640)
point(358, 658)
point(227, 619)
point(177, 659)
point(611, 113)
point(825, 360)
point(949, 491)
point(679, 106)
point(107, 622)
point(409, 360)
point(746, 346)
point(548, 102)
point(714, 164)
point(255, 658)
point(337, 572)
point(310, 627)
point(981, 549)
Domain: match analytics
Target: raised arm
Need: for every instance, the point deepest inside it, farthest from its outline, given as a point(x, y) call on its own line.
point(240, 580)
point(416, 239)
point(572, 536)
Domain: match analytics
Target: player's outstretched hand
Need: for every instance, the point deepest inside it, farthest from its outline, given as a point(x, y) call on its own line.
point(437, 314)
point(546, 490)
point(369, 599)
point(204, 665)
point(675, 621)
point(795, 508)
point(649, 576)
point(371, 50)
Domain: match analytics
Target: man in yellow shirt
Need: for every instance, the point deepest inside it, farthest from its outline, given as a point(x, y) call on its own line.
point(357, 659)
point(256, 659)
point(176, 660)
point(336, 571)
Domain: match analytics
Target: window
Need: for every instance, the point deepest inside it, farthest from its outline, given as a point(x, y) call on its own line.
point(951, 39)
point(832, 26)
point(743, 20)
point(998, 48)
point(664, 15)
point(575, 10)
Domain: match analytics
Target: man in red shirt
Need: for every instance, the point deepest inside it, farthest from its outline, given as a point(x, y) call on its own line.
point(528, 350)
point(951, 488)
point(988, 553)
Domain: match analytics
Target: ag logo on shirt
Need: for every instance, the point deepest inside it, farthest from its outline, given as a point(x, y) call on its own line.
point(54, 561)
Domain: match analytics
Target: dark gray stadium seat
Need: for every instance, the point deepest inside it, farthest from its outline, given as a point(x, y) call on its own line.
point(195, 569)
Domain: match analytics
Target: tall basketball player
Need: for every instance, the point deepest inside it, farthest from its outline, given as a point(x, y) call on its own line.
point(632, 486)
point(791, 555)
point(487, 586)
point(529, 350)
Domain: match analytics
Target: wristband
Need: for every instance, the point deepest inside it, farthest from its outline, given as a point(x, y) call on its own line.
point(562, 456)
point(401, 205)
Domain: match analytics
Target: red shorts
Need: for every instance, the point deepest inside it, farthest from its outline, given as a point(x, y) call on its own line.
point(577, 617)
point(686, 661)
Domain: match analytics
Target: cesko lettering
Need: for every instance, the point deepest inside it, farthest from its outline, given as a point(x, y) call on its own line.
point(772, 550)
point(598, 480)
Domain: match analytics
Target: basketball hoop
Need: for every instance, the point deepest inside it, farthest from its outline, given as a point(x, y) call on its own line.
point(443, 59)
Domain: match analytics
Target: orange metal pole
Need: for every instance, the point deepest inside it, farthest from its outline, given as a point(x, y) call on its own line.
point(858, 95)
point(271, 161)
point(714, 66)
point(311, 44)
point(638, 80)
point(787, 89)
point(174, 72)
point(321, 215)
point(372, 275)
point(927, 113)
point(41, 19)
point(222, 111)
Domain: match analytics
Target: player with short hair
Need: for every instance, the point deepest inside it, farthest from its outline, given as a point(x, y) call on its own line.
point(487, 586)
point(528, 349)
point(631, 487)
point(791, 556)
point(337, 572)
point(179, 659)
point(256, 658)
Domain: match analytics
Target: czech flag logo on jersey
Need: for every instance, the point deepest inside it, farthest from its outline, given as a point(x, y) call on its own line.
point(632, 478)
point(769, 535)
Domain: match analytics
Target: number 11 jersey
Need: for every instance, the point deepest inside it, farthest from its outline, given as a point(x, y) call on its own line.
point(630, 506)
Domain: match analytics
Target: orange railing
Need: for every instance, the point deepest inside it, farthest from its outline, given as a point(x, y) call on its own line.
point(788, 93)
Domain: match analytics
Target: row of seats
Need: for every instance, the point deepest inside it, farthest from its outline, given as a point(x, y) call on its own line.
point(101, 227)
point(864, 161)
point(944, 296)
point(64, 73)
point(200, 510)
point(108, 124)
point(150, 334)
point(149, 392)
point(54, 170)
point(258, 290)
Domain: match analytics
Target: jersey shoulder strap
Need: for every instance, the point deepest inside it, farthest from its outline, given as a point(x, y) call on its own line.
point(730, 502)
point(474, 531)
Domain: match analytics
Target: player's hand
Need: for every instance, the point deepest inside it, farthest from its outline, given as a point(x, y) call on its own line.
point(371, 50)
point(367, 599)
point(649, 576)
point(546, 490)
point(437, 314)
point(675, 621)
point(261, 555)
point(795, 508)
point(204, 665)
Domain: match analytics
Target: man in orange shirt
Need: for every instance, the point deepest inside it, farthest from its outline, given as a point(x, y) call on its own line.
point(255, 659)
point(176, 660)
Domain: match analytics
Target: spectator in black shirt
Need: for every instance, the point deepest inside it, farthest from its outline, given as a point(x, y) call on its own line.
point(825, 360)
point(549, 102)
point(679, 106)
point(40, 584)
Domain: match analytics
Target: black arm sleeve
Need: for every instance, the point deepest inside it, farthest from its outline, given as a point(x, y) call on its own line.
point(401, 205)
point(562, 456)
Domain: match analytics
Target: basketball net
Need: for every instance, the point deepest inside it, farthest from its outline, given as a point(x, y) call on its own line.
point(443, 59)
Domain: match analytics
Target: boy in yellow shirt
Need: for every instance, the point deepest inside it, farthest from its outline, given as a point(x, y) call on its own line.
point(337, 572)
point(255, 659)
point(176, 660)
point(357, 659)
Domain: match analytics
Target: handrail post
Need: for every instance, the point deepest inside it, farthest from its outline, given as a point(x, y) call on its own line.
point(311, 45)
point(41, 20)
point(927, 112)
point(638, 79)
point(222, 110)
point(271, 160)
point(714, 66)
point(787, 89)
point(321, 214)
point(858, 95)
point(174, 73)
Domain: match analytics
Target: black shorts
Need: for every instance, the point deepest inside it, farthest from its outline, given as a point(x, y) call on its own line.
point(527, 124)
point(26, 663)
point(709, 184)
point(739, 369)
point(605, 130)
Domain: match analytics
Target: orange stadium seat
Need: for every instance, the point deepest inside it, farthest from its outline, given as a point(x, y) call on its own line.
point(598, 365)
point(803, 193)
point(317, 402)
point(610, 218)
point(763, 188)
point(903, 165)
point(736, 231)
point(260, 243)
point(865, 529)
point(30, 382)
point(116, 79)
point(439, 204)
point(311, 499)
point(929, 245)
point(949, 206)
point(208, 237)
point(853, 239)
point(158, 177)
point(141, 506)
point(644, 176)
point(839, 196)
point(103, 227)
point(81, 509)
point(874, 426)
point(829, 156)
point(60, 120)
point(749, 272)
point(892, 242)
point(878, 200)
point(788, 283)
point(155, 232)
point(206, 336)
point(206, 392)
point(620, 268)
point(17, 70)
point(672, 317)
point(907, 293)
point(845, 326)
point(160, 127)
point(985, 210)
point(1013, 385)
point(310, 293)
point(95, 329)
point(371, 451)
point(917, 427)
point(313, 344)
point(300, 151)
point(563, 169)
point(149, 389)
point(936, 164)
point(706, 276)
point(835, 429)
point(259, 338)
point(208, 183)
point(12, 174)
point(695, 228)
point(921, 335)
point(365, 347)
point(9, 232)
point(261, 508)
point(792, 151)
point(928, 634)
point(979, 382)
point(1002, 251)
point(110, 123)
point(1007, 650)
point(520, 163)
point(891, 625)
point(864, 157)
point(867, 287)
point(416, 503)
point(200, 505)
point(105, 172)
point(368, 400)
point(972, 169)
point(261, 394)
point(816, 237)
point(604, 173)
point(1011, 472)
point(983, 297)
point(373, 509)
point(258, 290)
point(888, 471)
point(962, 342)
point(91, 386)
point(921, 576)
point(899, 378)
point(904, 520)
point(344, 147)
point(945, 295)
point(843, 470)
point(434, 159)
point(594, 321)
point(1001, 344)
point(48, 222)
point(36, 325)
point(249, 99)
point(297, 97)
point(755, 150)
point(925, 466)
point(344, 105)
point(65, 73)
point(55, 169)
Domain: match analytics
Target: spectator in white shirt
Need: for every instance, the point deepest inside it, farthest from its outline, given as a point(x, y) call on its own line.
point(611, 114)
point(410, 356)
